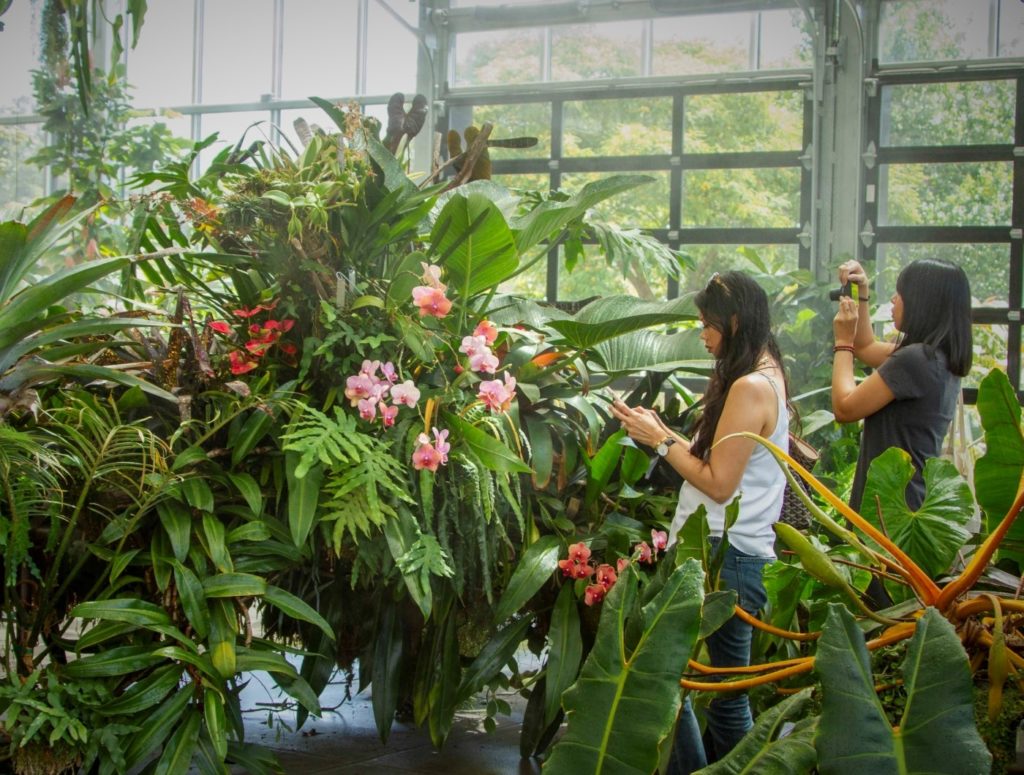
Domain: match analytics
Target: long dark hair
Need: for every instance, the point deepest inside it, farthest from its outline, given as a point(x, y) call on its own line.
point(737, 307)
point(937, 310)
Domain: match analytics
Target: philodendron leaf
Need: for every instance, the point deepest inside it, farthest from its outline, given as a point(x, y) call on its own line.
point(624, 704)
point(533, 571)
point(653, 351)
point(933, 534)
point(937, 733)
point(762, 751)
point(998, 472)
point(617, 315)
point(475, 243)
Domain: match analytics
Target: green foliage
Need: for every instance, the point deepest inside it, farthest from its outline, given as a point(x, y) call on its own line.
point(936, 733)
point(625, 701)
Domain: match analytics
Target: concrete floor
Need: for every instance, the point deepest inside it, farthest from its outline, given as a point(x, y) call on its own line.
point(345, 740)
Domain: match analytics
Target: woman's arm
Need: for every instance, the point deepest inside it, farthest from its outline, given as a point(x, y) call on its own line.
point(745, 410)
point(850, 401)
point(868, 350)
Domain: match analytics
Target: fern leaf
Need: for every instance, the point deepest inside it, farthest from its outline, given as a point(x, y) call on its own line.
point(333, 441)
point(427, 558)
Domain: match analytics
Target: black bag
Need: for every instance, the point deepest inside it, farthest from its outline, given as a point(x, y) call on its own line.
point(794, 512)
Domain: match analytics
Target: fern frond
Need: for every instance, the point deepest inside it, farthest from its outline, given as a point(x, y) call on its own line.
point(333, 441)
point(364, 494)
point(353, 514)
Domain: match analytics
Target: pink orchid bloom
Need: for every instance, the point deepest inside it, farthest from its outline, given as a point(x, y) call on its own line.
point(388, 414)
point(388, 370)
point(621, 564)
point(432, 276)
point(606, 576)
point(487, 330)
point(431, 301)
point(406, 393)
point(425, 455)
point(357, 387)
point(494, 395)
point(441, 445)
point(659, 539)
point(594, 594)
point(485, 361)
point(645, 552)
point(471, 345)
point(579, 552)
point(367, 409)
point(220, 326)
point(568, 568)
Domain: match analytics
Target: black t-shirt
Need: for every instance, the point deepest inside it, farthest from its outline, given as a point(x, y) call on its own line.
point(916, 421)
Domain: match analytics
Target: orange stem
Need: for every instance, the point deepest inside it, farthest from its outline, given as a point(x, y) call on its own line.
point(746, 669)
point(979, 604)
point(772, 630)
point(735, 686)
point(1015, 659)
point(981, 558)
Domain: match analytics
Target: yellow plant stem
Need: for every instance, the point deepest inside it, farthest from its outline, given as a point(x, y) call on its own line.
point(925, 588)
point(980, 560)
point(979, 605)
point(805, 666)
point(428, 414)
point(772, 630)
point(744, 669)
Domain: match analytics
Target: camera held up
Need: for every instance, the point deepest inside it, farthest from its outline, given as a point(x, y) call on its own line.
point(837, 293)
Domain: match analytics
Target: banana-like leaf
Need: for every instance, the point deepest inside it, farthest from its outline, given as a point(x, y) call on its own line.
point(21, 246)
point(221, 641)
point(116, 661)
point(144, 694)
point(386, 670)
point(548, 219)
point(614, 316)
point(296, 608)
point(933, 534)
point(625, 704)
point(531, 573)
point(763, 752)
point(541, 449)
point(32, 371)
point(155, 728)
point(998, 472)
point(480, 249)
point(565, 650)
point(216, 721)
point(234, 585)
point(937, 733)
point(653, 351)
point(177, 521)
point(177, 755)
point(129, 609)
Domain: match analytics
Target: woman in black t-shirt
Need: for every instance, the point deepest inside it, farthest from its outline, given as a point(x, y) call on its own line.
point(909, 399)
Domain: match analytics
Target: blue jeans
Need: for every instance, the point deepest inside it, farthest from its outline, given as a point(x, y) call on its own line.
point(729, 717)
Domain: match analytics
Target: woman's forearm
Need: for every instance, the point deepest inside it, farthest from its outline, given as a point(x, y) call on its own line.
point(865, 335)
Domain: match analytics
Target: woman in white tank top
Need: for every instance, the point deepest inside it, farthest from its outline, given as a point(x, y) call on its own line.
point(747, 392)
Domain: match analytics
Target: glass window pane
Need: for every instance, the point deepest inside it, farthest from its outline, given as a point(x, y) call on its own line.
point(969, 194)
point(581, 52)
point(786, 40)
point(594, 276)
point(1011, 28)
point(715, 43)
point(991, 347)
point(922, 30)
point(529, 120)
point(237, 48)
point(508, 56)
point(391, 49)
point(965, 113)
point(532, 283)
point(645, 207)
point(617, 127)
point(20, 43)
point(524, 182)
point(757, 198)
point(20, 182)
point(160, 67)
point(987, 268)
point(761, 121)
point(709, 259)
point(319, 57)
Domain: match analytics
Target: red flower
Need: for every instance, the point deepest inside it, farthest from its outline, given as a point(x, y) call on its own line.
point(248, 313)
point(621, 564)
point(606, 576)
point(659, 538)
point(579, 552)
point(241, 362)
point(594, 594)
point(645, 554)
point(220, 326)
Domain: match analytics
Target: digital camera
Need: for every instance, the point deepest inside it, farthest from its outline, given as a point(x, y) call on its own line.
point(837, 293)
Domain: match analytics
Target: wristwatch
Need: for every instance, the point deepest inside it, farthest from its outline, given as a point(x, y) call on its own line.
point(662, 448)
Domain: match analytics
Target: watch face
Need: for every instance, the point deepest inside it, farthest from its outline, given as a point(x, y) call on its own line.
point(662, 449)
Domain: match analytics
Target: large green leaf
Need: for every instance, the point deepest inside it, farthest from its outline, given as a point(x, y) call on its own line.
point(614, 316)
point(546, 221)
point(145, 693)
point(625, 704)
point(492, 453)
point(763, 752)
point(155, 728)
point(116, 661)
point(565, 650)
point(234, 585)
point(653, 351)
point(997, 473)
point(177, 755)
point(602, 464)
point(385, 672)
point(401, 535)
point(480, 249)
point(933, 534)
point(533, 571)
point(129, 609)
point(937, 733)
point(21, 246)
point(303, 497)
point(296, 608)
point(495, 654)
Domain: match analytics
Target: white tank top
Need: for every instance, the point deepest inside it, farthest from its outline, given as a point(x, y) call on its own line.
point(760, 491)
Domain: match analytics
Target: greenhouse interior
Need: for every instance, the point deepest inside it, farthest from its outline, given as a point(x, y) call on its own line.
point(511, 386)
